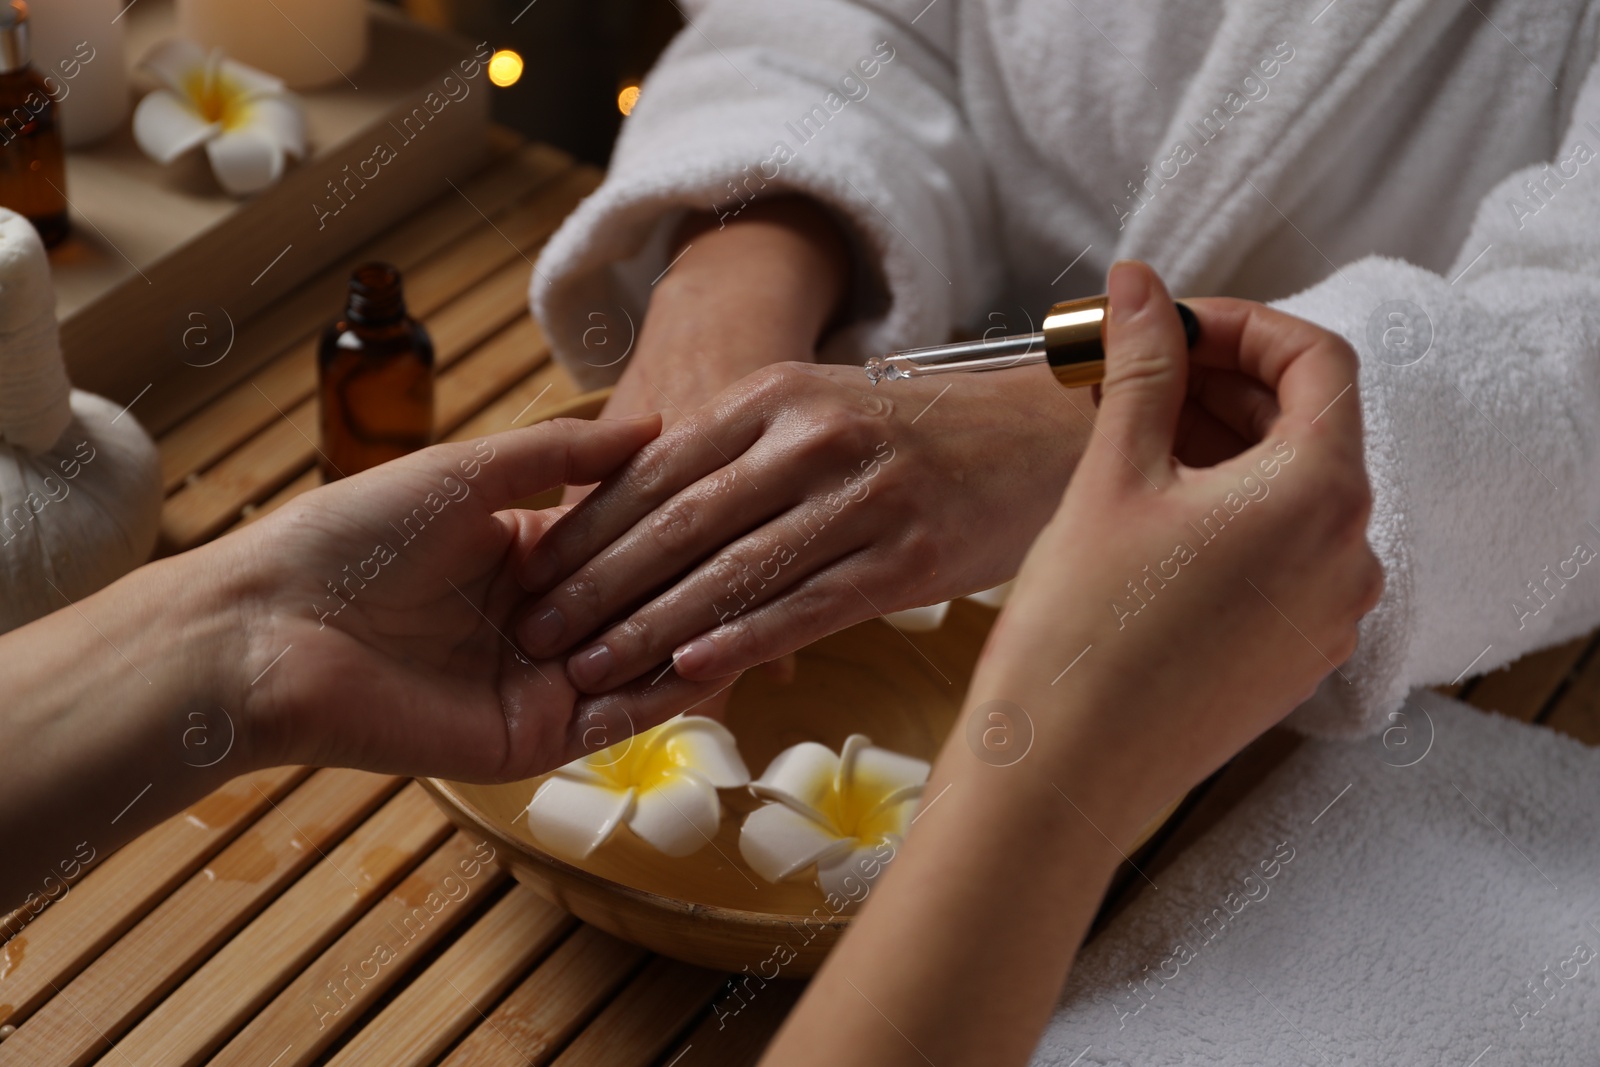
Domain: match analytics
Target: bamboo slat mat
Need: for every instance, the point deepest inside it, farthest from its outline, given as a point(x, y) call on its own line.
point(246, 930)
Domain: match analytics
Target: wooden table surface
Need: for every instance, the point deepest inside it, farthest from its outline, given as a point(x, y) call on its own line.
point(242, 930)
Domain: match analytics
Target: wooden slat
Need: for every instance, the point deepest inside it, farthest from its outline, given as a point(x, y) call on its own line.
point(464, 324)
point(222, 995)
point(489, 371)
point(331, 994)
point(524, 404)
point(439, 1004)
point(213, 500)
point(641, 1022)
point(737, 1040)
point(126, 886)
point(562, 994)
point(102, 1002)
point(292, 322)
point(1522, 689)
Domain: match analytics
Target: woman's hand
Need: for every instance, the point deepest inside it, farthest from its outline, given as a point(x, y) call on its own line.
point(362, 625)
point(1206, 603)
point(799, 502)
point(804, 500)
point(1134, 692)
point(389, 598)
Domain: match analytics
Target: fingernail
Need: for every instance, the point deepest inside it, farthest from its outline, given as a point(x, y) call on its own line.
point(1128, 287)
point(590, 667)
point(541, 632)
point(693, 656)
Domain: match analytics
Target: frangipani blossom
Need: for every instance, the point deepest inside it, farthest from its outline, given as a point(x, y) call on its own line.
point(662, 784)
point(248, 123)
point(931, 617)
point(834, 812)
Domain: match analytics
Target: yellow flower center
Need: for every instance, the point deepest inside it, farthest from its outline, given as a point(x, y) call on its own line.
point(217, 98)
point(851, 810)
point(640, 764)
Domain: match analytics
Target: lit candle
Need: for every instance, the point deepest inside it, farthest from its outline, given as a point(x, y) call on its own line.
point(307, 43)
point(77, 46)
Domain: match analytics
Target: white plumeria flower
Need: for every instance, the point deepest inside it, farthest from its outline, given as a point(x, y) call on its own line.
point(834, 812)
point(931, 617)
point(662, 784)
point(249, 124)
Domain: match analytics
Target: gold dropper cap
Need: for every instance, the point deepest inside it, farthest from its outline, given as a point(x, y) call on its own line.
point(1071, 342)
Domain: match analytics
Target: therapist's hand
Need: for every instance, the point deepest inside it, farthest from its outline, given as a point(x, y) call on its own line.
point(1205, 602)
point(390, 597)
point(1131, 699)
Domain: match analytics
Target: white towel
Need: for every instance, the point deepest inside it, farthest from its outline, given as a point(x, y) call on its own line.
point(1357, 909)
point(1370, 155)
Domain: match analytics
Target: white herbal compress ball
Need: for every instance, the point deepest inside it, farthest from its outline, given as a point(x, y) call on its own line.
point(80, 482)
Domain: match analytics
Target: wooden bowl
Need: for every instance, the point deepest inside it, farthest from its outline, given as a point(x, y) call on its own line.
point(709, 908)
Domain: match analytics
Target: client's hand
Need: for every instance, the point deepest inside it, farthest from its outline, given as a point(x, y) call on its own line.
point(390, 596)
point(800, 501)
point(803, 500)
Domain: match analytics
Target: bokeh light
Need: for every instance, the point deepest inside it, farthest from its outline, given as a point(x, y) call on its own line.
point(627, 98)
point(505, 67)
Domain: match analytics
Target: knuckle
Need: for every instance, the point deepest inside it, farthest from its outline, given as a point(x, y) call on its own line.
point(777, 382)
point(647, 472)
point(675, 526)
point(634, 635)
point(579, 598)
point(1139, 366)
point(920, 553)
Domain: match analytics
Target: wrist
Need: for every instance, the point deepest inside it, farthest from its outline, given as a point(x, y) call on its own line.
point(1084, 748)
point(217, 600)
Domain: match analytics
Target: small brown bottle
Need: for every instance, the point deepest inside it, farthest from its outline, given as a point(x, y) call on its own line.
point(376, 371)
point(33, 168)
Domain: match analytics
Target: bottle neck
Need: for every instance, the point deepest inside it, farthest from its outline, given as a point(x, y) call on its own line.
point(376, 296)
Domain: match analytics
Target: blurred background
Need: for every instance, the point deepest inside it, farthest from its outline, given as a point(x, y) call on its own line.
point(582, 61)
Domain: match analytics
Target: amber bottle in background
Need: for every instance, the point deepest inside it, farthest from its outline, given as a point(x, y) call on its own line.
point(376, 377)
point(33, 170)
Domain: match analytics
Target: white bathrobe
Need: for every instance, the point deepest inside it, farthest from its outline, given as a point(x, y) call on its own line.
point(1421, 176)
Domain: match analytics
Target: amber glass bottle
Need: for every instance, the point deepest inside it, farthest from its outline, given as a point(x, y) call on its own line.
point(33, 170)
point(376, 370)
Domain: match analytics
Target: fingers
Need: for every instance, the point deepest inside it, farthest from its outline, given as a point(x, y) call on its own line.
point(1204, 440)
point(748, 573)
point(519, 463)
point(1234, 399)
point(824, 603)
point(717, 510)
point(678, 458)
point(1146, 371)
point(1311, 371)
